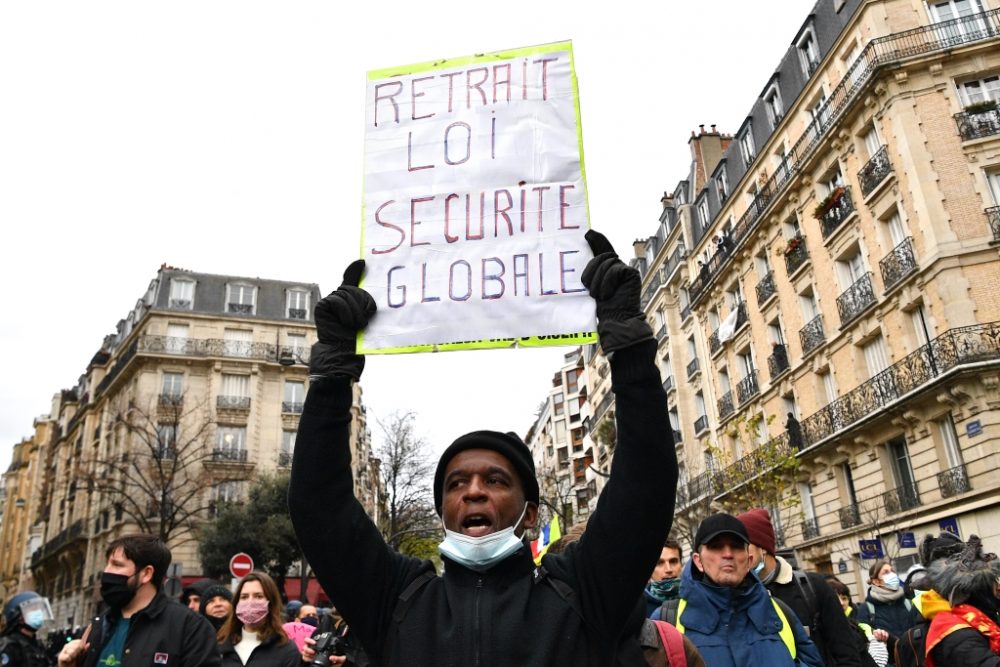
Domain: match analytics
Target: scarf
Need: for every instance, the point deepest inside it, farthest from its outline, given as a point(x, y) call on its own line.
point(884, 595)
point(960, 617)
point(665, 589)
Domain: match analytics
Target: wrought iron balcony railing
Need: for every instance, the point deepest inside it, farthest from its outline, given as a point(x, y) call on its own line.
point(673, 262)
point(284, 459)
point(241, 308)
point(748, 387)
point(953, 481)
point(229, 455)
point(796, 257)
point(685, 312)
point(878, 54)
point(979, 124)
point(692, 368)
point(811, 335)
point(766, 289)
point(856, 300)
point(290, 355)
point(668, 383)
point(700, 424)
point(777, 363)
point(874, 171)
point(181, 304)
point(850, 516)
point(678, 437)
point(165, 453)
point(810, 529)
point(650, 291)
point(713, 342)
point(993, 217)
point(170, 400)
point(292, 407)
point(900, 499)
point(296, 313)
point(725, 405)
point(65, 536)
point(898, 264)
point(837, 213)
point(233, 402)
point(661, 333)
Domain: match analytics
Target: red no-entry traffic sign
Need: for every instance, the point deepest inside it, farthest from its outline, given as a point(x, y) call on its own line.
point(240, 565)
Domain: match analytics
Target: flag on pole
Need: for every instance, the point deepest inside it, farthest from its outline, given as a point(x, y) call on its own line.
point(550, 535)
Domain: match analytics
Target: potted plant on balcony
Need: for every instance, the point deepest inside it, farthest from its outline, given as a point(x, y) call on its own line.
point(828, 203)
point(981, 107)
point(791, 245)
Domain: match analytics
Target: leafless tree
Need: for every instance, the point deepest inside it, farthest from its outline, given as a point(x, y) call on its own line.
point(406, 469)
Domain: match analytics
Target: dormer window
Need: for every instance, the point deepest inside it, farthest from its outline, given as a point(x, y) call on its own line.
point(241, 298)
point(703, 215)
point(181, 294)
point(747, 148)
point(722, 184)
point(808, 52)
point(775, 108)
point(297, 304)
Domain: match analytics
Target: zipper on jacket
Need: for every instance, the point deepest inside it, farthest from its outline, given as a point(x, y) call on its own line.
point(475, 622)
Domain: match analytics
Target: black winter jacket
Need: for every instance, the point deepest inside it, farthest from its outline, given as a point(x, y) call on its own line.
point(19, 650)
point(897, 617)
point(964, 648)
point(164, 633)
point(269, 654)
point(503, 616)
point(820, 613)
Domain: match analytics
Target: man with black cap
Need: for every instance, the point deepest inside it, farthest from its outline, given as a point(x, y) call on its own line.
point(727, 612)
point(491, 606)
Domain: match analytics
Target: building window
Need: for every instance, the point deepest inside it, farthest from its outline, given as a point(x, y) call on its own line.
point(287, 448)
point(237, 342)
point(181, 294)
point(558, 402)
point(774, 106)
point(850, 268)
point(876, 357)
point(297, 305)
point(228, 491)
point(722, 184)
point(173, 385)
point(241, 298)
point(572, 381)
point(232, 439)
point(808, 53)
point(901, 466)
point(703, 214)
point(295, 396)
point(166, 441)
point(820, 110)
point(747, 148)
point(956, 9)
point(235, 386)
point(986, 89)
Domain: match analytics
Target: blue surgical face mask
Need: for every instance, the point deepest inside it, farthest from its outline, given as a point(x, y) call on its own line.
point(481, 553)
point(758, 568)
point(891, 581)
point(35, 619)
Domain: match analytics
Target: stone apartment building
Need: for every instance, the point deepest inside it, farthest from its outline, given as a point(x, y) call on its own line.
point(837, 259)
point(197, 392)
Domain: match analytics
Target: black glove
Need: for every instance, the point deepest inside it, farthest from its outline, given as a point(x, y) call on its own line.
point(615, 287)
point(339, 318)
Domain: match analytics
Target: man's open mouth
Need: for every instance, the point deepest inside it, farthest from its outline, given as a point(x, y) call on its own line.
point(477, 525)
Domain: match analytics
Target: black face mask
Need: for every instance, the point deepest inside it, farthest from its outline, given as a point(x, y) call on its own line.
point(309, 620)
point(217, 623)
point(116, 591)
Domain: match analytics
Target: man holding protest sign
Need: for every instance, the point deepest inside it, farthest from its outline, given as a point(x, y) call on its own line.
point(491, 606)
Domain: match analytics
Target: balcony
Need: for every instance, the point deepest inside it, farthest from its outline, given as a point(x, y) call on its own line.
point(62, 538)
point(875, 171)
point(284, 459)
point(165, 453)
point(668, 383)
point(748, 387)
point(725, 405)
point(837, 210)
point(857, 299)
point(170, 400)
point(810, 529)
point(229, 455)
point(877, 55)
point(650, 291)
point(978, 124)
point(713, 342)
point(240, 308)
point(673, 262)
point(777, 363)
point(850, 516)
point(765, 289)
point(685, 313)
point(796, 254)
point(292, 407)
point(296, 313)
point(661, 333)
point(811, 335)
point(898, 264)
point(900, 499)
point(692, 368)
point(240, 403)
point(700, 424)
point(953, 481)
point(993, 217)
point(181, 304)
point(678, 437)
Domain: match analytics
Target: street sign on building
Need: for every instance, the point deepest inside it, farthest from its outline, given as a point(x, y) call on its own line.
point(240, 565)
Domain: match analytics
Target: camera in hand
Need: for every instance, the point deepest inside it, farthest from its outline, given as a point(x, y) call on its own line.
point(328, 642)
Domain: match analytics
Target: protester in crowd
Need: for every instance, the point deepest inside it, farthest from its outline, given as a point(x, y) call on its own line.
point(216, 604)
point(252, 635)
point(806, 593)
point(489, 607)
point(141, 623)
point(292, 610)
point(875, 654)
point(191, 594)
point(886, 608)
point(303, 625)
point(727, 612)
point(23, 616)
point(665, 581)
point(969, 633)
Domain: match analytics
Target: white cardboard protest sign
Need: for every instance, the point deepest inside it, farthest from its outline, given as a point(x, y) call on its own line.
point(475, 204)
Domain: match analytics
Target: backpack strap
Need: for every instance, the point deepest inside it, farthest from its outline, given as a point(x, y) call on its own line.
point(406, 597)
point(871, 610)
point(809, 593)
point(673, 644)
point(670, 611)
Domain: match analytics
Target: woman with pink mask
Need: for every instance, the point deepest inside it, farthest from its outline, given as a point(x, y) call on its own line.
point(253, 635)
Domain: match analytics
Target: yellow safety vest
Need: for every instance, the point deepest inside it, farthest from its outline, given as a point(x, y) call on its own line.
point(786, 634)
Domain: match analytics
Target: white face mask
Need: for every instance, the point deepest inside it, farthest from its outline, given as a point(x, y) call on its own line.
point(481, 553)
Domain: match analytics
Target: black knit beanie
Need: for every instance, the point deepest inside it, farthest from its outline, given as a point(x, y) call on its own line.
point(508, 445)
point(214, 591)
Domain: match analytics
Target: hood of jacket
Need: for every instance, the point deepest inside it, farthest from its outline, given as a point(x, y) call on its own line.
point(931, 604)
point(707, 601)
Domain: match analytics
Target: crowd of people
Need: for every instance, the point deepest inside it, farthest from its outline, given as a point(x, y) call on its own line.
point(614, 592)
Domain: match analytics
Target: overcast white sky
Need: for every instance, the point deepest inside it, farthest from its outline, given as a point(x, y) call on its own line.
point(226, 137)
